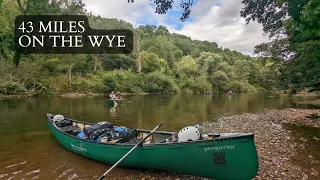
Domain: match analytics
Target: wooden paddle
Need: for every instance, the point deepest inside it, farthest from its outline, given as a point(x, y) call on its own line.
point(104, 175)
point(115, 104)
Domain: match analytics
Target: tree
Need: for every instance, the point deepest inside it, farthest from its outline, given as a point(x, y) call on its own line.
point(208, 62)
point(226, 68)
point(295, 25)
point(147, 29)
point(8, 12)
point(139, 50)
point(164, 5)
point(45, 7)
point(196, 52)
point(117, 61)
point(177, 54)
point(186, 67)
point(242, 70)
point(219, 80)
point(150, 62)
point(161, 30)
point(161, 46)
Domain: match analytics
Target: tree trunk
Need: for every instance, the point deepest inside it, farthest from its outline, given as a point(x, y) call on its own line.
point(264, 70)
point(139, 56)
point(264, 75)
point(69, 71)
point(95, 63)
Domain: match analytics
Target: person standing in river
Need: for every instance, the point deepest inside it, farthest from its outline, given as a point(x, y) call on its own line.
point(112, 95)
point(119, 95)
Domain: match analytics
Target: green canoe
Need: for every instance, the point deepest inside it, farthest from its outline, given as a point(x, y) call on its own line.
point(225, 156)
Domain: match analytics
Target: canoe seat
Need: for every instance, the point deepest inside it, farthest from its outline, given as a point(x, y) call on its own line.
point(169, 139)
point(73, 130)
point(214, 135)
point(133, 141)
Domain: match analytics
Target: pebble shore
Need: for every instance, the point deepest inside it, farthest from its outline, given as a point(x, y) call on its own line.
point(312, 102)
point(275, 145)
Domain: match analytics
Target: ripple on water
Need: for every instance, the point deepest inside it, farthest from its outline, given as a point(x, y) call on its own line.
point(59, 167)
point(16, 172)
point(33, 172)
point(72, 176)
point(10, 177)
point(35, 177)
point(3, 175)
point(65, 173)
point(16, 164)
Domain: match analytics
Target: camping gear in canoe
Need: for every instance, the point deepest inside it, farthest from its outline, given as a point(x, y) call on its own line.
point(123, 157)
point(219, 156)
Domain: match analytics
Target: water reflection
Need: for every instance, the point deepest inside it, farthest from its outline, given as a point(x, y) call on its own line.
point(307, 157)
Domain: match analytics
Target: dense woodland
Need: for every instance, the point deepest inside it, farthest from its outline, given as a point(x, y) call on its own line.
point(161, 62)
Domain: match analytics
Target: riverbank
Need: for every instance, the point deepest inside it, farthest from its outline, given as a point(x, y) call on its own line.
point(97, 94)
point(67, 95)
point(313, 102)
point(75, 94)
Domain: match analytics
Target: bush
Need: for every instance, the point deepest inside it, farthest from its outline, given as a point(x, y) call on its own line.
point(12, 88)
point(125, 81)
point(60, 84)
point(239, 86)
point(159, 83)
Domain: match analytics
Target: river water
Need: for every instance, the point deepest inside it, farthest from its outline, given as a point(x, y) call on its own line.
point(29, 151)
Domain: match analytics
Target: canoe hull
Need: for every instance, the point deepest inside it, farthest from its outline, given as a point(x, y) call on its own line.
point(226, 159)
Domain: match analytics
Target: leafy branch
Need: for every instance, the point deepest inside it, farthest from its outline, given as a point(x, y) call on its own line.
point(164, 5)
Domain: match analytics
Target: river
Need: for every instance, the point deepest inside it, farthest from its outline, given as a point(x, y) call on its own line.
point(29, 151)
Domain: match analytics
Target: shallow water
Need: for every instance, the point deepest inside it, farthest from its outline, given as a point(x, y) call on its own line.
point(29, 151)
point(307, 157)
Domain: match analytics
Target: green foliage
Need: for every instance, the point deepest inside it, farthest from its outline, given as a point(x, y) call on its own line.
point(241, 70)
point(208, 62)
point(11, 88)
point(186, 67)
point(270, 13)
point(162, 7)
point(171, 63)
point(124, 81)
point(219, 80)
point(161, 46)
point(117, 61)
point(9, 10)
point(177, 54)
point(307, 59)
point(201, 83)
point(297, 46)
point(238, 86)
point(159, 83)
point(150, 62)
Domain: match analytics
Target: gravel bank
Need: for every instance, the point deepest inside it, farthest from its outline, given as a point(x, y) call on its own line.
point(275, 145)
point(313, 102)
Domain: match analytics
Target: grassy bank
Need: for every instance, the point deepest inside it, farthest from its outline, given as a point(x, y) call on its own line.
point(30, 79)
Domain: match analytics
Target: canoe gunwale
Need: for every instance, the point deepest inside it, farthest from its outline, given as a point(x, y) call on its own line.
point(221, 138)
